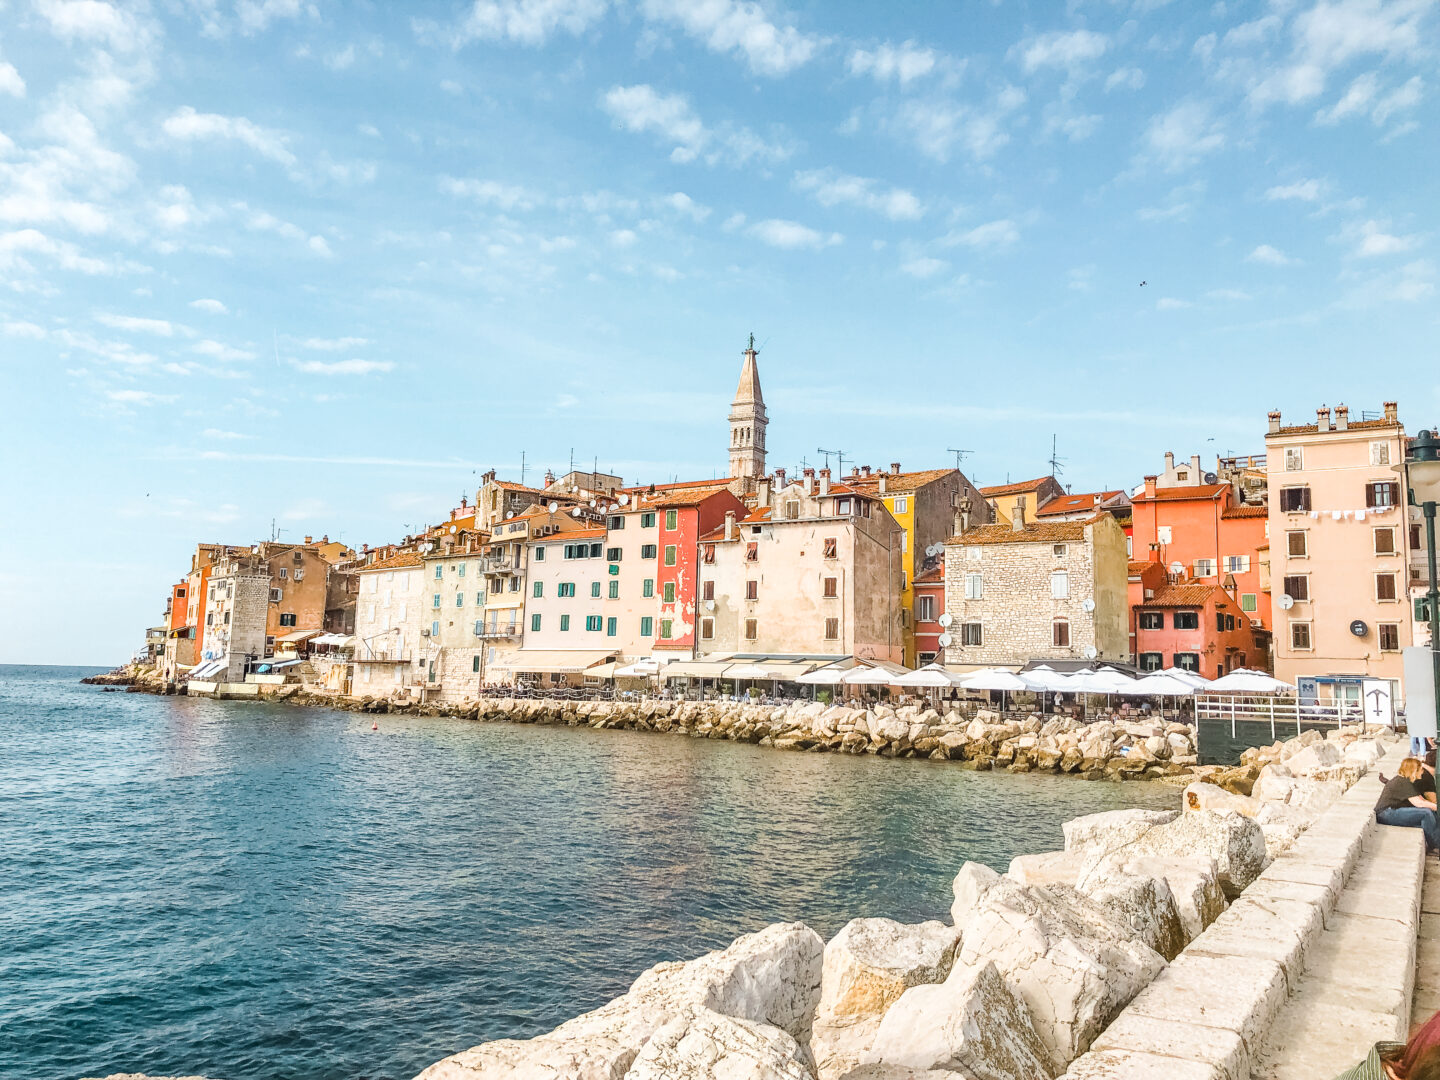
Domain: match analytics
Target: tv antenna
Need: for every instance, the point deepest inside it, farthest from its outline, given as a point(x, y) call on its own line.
point(1056, 466)
point(839, 456)
point(958, 455)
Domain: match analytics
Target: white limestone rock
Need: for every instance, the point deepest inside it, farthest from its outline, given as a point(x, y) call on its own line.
point(1047, 868)
point(1316, 756)
point(867, 966)
point(1203, 796)
point(703, 1045)
point(898, 1072)
point(1100, 834)
point(1143, 902)
point(1282, 825)
point(1193, 881)
point(1235, 842)
point(1059, 952)
point(970, 1024)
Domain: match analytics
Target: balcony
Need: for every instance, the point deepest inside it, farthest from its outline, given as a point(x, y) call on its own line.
point(504, 630)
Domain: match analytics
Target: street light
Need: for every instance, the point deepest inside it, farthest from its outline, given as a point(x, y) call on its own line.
point(1422, 477)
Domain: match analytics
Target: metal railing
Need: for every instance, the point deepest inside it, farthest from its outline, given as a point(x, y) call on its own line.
point(1280, 713)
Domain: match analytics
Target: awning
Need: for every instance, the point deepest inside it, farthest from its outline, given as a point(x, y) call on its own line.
point(696, 669)
point(776, 670)
point(551, 661)
point(299, 635)
point(641, 669)
point(601, 671)
point(210, 667)
point(338, 640)
point(181, 631)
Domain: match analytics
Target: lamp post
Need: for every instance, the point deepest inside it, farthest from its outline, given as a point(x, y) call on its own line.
point(1422, 475)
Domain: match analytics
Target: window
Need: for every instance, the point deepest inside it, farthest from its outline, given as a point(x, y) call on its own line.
point(565, 588)
point(925, 608)
point(595, 588)
point(752, 630)
point(285, 572)
point(1379, 453)
point(1385, 541)
point(1248, 602)
point(1220, 622)
point(831, 547)
point(647, 587)
point(461, 568)
point(435, 628)
point(479, 599)
point(667, 593)
point(707, 629)
point(1229, 622)
point(179, 592)
point(707, 553)
point(595, 550)
point(752, 590)
point(842, 506)
point(1237, 564)
point(832, 588)
point(647, 521)
point(1300, 635)
point(615, 522)
point(564, 623)
point(1295, 500)
point(832, 629)
point(669, 554)
point(612, 626)
point(974, 587)
point(275, 595)
point(1382, 493)
point(1152, 620)
point(592, 622)
point(1297, 587)
point(752, 552)
point(514, 585)
point(1060, 633)
point(475, 663)
point(971, 634)
point(614, 590)
point(792, 509)
point(439, 573)
point(1151, 661)
point(902, 504)
point(538, 589)
point(1385, 587)
point(648, 551)
point(1187, 620)
point(1297, 544)
point(707, 590)
point(671, 517)
point(459, 599)
point(1060, 585)
point(1204, 568)
point(287, 618)
point(1060, 550)
point(534, 624)
point(1416, 538)
point(1389, 633)
point(647, 623)
point(1422, 609)
point(612, 554)
point(435, 600)
point(666, 628)
point(1187, 661)
point(539, 557)
point(1294, 458)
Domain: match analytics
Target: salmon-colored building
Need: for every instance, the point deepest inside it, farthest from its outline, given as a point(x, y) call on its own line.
point(929, 594)
point(1196, 626)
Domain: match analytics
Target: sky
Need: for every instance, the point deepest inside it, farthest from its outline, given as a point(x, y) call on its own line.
point(276, 267)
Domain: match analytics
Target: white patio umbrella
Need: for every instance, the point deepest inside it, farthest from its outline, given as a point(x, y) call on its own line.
point(1248, 681)
point(867, 676)
point(1158, 685)
point(1190, 677)
point(993, 679)
point(825, 676)
point(1106, 681)
point(749, 671)
point(930, 677)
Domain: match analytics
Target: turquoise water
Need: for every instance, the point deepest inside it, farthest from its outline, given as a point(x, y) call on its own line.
point(248, 891)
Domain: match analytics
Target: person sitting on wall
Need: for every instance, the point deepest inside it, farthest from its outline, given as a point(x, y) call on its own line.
point(1401, 804)
point(1418, 1059)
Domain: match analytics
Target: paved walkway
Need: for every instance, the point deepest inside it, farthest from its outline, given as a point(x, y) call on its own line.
point(1427, 960)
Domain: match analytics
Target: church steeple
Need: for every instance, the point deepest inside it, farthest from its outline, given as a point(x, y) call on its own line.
point(747, 423)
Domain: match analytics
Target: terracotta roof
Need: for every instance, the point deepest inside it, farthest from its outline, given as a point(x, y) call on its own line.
point(508, 486)
point(932, 576)
point(897, 483)
point(644, 489)
point(1016, 489)
point(1172, 596)
point(685, 497)
point(1245, 512)
point(1037, 532)
point(1314, 429)
point(1133, 568)
point(1070, 504)
point(1181, 494)
point(395, 562)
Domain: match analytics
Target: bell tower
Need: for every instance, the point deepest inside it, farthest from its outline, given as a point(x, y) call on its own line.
point(747, 423)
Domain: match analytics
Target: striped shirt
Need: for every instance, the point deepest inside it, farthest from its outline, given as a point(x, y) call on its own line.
point(1373, 1068)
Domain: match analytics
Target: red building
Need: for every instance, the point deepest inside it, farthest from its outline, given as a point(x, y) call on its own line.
point(1196, 626)
point(929, 593)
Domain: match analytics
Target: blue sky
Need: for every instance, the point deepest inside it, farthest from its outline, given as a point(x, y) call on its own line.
point(321, 264)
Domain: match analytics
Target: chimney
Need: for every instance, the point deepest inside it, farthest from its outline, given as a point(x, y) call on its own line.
point(1322, 418)
point(883, 484)
point(1392, 414)
point(1150, 487)
point(549, 479)
point(325, 539)
point(309, 539)
point(1195, 472)
point(1274, 421)
point(959, 525)
point(364, 549)
point(729, 524)
point(809, 480)
point(1169, 461)
point(762, 491)
point(1154, 552)
point(1017, 520)
point(824, 481)
point(1342, 417)
point(895, 468)
point(779, 478)
point(867, 470)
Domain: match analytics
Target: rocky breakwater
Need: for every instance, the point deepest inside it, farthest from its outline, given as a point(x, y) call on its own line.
point(1096, 749)
point(1027, 976)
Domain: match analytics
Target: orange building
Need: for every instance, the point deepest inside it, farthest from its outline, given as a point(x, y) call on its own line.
point(1196, 627)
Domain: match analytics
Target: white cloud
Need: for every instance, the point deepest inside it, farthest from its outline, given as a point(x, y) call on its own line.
point(1301, 190)
point(904, 63)
point(938, 127)
point(683, 204)
point(642, 109)
point(1269, 256)
point(1170, 303)
point(1355, 99)
point(737, 26)
point(993, 235)
point(14, 246)
point(93, 21)
point(139, 397)
point(791, 235)
point(136, 325)
point(1374, 240)
point(527, 22)
point(1127, 78)
point(210, 307)
point(217, 351)
point(25, 330)
point(188, 124)
point(10, 81)
point(113, 352)
point(1404, 97)
point(256, 15)
point(832, 188)
point(923, 267)
point(1062, 49)
point(320, 246)
point(218, 433)
point(492, 193)
point(340, 344)
point(344, 367)
point(1181, 137)
point(1254, 32)
point(622, 238)
point(1363, 97)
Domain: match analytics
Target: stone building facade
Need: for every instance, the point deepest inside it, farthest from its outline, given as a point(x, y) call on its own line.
point(1034, 591)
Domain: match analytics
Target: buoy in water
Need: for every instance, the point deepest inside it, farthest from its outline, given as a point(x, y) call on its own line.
point(374, 727)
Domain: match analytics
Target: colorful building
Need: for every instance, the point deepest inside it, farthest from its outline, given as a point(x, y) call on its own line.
point(929, 592)
point(1033, 494)
point(1196, 627)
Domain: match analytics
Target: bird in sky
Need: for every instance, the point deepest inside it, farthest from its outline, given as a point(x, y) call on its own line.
point(1143, 284)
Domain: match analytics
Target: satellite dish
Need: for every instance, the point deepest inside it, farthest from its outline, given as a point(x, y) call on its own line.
point(1088, 604)
point(1090, 652)
point(709, 605)
point(1211, 478)
point(454, 529)
point(509, 514)
point(1286, 601)
point(553, 506)
point(592, 502)
point(945, 619)
point(624, 500)
point(945, 641)
point(1177, 568)
point(575, 512)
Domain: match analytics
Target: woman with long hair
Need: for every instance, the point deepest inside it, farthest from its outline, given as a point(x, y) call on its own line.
point(1402, 804)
